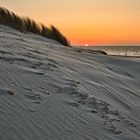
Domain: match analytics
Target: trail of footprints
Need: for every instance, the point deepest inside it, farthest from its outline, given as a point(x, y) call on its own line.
point(29, 60)
point(111, 117)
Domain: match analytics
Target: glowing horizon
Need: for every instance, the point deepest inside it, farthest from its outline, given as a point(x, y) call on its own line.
point(92, 22)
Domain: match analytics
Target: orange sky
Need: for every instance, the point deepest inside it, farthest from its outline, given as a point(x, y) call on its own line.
point(97, 22)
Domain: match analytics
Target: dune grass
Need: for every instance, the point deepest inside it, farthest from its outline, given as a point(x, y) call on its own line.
point(25, 24)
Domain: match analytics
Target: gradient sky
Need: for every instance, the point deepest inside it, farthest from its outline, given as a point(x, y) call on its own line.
point(97, 22)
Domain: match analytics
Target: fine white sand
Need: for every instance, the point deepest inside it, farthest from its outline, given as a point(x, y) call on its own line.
point(52, 92)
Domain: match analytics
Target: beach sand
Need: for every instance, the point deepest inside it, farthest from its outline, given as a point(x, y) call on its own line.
point(52, 92)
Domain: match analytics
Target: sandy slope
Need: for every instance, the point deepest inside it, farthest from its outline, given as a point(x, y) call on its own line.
point(48, 92)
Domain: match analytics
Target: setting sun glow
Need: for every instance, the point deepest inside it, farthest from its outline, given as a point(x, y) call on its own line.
point(98, 22)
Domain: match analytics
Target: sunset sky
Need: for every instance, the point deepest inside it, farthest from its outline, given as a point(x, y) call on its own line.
point(93, 22)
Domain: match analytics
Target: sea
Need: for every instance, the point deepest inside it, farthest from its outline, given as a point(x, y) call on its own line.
point(118, 50)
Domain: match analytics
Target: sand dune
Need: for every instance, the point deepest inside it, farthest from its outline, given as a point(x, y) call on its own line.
point(51, 92)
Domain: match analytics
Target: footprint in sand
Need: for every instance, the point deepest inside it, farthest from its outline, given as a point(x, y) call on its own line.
point(6, 92)
point(11, 92)
point(128, 123)
point(44, 91)
point(36, 98)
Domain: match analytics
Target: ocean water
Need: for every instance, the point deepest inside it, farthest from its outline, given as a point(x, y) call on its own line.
point(119, 50)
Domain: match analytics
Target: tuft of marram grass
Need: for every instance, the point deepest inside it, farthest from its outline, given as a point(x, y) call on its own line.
point(56, 35)
point(25, 24)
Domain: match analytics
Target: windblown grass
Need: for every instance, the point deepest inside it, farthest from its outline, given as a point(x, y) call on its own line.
point(25, 24)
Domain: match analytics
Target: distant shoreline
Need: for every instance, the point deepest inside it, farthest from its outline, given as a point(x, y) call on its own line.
point(126, 56)
point(118, 51)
